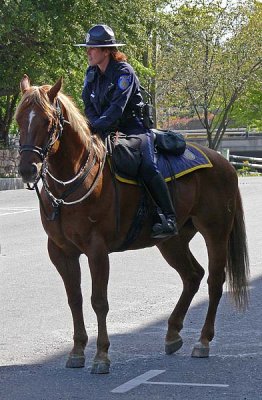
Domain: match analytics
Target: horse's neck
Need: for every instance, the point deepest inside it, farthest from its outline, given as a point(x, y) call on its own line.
point(71, 155)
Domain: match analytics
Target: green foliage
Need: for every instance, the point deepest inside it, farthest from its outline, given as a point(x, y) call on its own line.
point(198, 56)
point(217, 51)
point(33, 37)
point(247, 110)
point(36, 39)
point(247, 170)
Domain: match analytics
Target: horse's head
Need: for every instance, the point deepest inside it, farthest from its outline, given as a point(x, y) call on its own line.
point(39, 119)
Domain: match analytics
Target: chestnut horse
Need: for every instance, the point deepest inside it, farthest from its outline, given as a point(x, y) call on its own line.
point(78, 211)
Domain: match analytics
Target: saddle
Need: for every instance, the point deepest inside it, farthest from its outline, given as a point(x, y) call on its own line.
point(173, 155)
point(125, 150)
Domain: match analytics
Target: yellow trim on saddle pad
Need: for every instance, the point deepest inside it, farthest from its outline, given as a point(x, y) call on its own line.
point(208, 164)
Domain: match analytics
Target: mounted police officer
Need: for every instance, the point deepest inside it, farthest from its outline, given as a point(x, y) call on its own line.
point(113, 102)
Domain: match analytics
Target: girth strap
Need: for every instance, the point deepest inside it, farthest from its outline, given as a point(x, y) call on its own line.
point(137, 223)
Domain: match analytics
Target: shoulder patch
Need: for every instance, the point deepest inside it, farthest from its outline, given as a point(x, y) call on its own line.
point(124, 81)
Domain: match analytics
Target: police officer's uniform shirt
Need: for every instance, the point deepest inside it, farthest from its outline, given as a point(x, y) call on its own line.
point(111, 96)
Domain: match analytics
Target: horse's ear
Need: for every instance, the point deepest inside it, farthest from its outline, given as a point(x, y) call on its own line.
point(25, 83)
point(52, 93)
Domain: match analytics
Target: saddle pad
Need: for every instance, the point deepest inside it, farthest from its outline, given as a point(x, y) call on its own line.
point(176, 166)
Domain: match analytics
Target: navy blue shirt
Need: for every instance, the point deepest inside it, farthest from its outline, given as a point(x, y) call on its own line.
point(113, 99)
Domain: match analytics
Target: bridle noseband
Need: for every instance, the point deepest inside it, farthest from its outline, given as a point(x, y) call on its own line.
point(56, 128)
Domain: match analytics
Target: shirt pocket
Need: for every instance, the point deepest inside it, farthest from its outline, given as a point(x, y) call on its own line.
point(95, 102)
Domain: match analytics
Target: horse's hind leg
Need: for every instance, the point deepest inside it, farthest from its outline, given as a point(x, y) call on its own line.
point(217, 254)
point(176, 252)
point(69, 269)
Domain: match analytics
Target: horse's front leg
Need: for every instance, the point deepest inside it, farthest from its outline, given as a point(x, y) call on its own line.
point(99, 268)
point(69, 269)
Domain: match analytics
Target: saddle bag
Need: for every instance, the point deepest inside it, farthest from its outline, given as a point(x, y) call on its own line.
point(169, 141)
point(126, 153)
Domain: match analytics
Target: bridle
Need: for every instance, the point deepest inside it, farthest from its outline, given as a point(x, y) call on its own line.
point(54, 134)
point(56, 129)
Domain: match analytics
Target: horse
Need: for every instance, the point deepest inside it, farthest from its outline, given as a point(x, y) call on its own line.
point(79, 204)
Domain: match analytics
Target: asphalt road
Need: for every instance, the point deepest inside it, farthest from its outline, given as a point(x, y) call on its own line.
point(36, 326)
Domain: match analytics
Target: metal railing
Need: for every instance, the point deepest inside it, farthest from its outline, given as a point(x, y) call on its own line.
point(234, 133)
point(246, 161)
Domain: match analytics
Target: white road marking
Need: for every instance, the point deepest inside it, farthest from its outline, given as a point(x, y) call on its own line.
point(143, 379)
point(15, 210)
point(137, 381)
point(220, 385)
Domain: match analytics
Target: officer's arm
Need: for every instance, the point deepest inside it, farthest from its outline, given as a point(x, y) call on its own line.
point(122, 93)
point(90, 111)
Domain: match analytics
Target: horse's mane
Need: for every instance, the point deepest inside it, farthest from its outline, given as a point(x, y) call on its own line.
point(38, 95)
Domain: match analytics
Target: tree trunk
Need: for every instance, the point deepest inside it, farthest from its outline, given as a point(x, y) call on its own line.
point(153, 82)
point(6, 116)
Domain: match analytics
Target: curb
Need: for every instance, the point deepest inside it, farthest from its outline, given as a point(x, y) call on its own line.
point(11, 183)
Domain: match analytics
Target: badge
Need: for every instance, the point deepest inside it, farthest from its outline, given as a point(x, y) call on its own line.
point(189, 155)
point(124, 81)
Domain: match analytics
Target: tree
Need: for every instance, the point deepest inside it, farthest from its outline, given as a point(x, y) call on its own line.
point(247, 109)
point(36, 38)
point(213, 53)
point(199, 56)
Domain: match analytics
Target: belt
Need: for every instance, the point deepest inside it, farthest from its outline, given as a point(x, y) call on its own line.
point(129, 114)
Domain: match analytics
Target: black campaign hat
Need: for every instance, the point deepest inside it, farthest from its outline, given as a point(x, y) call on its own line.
point(100, 36)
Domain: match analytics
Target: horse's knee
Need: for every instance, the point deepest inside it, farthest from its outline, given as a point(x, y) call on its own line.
point(216, 282)
point(193, 283)
point(75, 302)
point(100, 305)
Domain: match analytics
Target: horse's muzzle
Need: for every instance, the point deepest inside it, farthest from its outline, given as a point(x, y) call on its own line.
point(29, 172)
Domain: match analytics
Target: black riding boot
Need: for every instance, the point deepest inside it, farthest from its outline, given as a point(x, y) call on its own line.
point(160, 193)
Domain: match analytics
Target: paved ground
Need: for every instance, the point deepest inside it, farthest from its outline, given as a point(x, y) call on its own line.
point(36, 327)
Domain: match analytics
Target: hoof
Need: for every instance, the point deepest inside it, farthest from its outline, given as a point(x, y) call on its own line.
point(200, 351)
point(100, 367)
point(172, 347)
point(75, 362)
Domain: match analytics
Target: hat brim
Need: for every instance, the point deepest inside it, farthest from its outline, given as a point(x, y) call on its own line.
point(99, 45)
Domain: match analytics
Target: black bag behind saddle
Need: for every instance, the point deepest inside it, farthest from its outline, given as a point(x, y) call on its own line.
point(169, 141)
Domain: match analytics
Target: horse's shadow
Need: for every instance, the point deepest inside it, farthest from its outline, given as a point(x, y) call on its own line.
point(235, 360)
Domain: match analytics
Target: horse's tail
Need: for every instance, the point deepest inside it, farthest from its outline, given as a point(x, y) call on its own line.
point(237, 270)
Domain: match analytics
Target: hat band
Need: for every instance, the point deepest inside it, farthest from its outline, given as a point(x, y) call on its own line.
point(99, 42)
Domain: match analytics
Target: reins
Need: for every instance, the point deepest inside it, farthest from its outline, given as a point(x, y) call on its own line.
point(58, 202)
point(78, 182)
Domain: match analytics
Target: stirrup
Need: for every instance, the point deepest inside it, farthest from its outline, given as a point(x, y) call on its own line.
point(166, 228)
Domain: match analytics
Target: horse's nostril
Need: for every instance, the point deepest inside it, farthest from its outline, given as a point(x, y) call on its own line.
point(34, 169)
